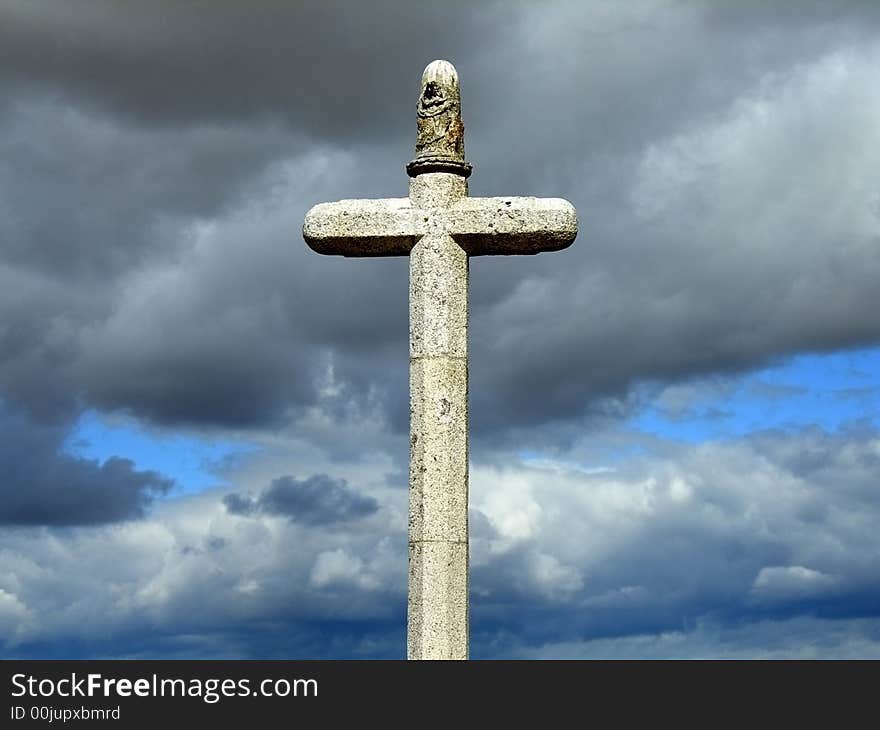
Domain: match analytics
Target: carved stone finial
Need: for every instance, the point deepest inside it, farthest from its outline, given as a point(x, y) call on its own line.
point(440, 141)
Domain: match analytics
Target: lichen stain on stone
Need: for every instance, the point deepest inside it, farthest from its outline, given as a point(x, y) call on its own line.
point(445, 407)
point(440, 136)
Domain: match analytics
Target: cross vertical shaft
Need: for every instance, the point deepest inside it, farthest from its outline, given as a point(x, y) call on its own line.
point(438, 477)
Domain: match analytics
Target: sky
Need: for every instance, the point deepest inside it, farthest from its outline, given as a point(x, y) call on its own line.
point(675, 422)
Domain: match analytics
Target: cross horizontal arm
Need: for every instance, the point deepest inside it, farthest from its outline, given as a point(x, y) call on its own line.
point(362, 228)
point(518, 225)
point(481, 226)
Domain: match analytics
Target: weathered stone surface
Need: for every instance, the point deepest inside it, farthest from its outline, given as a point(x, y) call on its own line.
point(438, 601)
point(438, 519)
point(436, 191)
point(438, 297)
point(362, 227)
point(438, 449)
point(440, 140)
point(505, 226)
point(439, 227)
point(437, 203)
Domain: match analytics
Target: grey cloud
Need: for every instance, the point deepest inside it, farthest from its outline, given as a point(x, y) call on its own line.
point(799, 638)
point(242, 329)
point(821, 458)
point(744, 538)
point(181, 62)
point(316, 500)
point(716, 278)
point(43, 485)
point(775, 526)
point(239, 505)
point(158, 185)
point(86, 198)
point(781, 16)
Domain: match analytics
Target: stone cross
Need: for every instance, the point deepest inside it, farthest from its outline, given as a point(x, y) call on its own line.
point(439, 227)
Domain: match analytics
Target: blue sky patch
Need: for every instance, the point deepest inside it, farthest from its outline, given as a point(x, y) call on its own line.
point(192, 461)
point(827, 390)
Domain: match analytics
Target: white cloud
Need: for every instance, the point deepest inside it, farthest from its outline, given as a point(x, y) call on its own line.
point(797, 638)
point(776, 522)
point(14, 618)
point(788, 582)
point(340, 569)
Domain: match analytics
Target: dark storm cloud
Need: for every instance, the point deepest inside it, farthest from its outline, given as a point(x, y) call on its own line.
point(86, 199)
point(125, 126)
point(316, 500)
point(179, 62)
point(760, 16)
point(158, 160)
point(715, 278)
point(43, 485)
